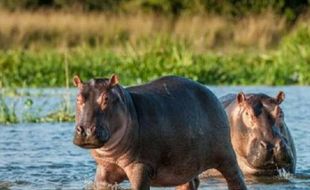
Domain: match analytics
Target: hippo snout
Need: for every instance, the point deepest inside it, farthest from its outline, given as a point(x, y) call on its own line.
point(89, 137)
point(266, 146)
point(85, 132)
point(267, 155)
point(284, 155)
point(261, 153)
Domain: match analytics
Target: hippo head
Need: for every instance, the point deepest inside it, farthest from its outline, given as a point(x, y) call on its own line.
point(259, 134)
point(99, 109)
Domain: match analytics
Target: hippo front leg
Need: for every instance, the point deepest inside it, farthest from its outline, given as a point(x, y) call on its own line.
point(232, 173)
point(108, 176)
point(192, 185)
point(139, 176)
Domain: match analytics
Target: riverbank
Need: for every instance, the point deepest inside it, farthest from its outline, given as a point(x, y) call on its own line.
point(289, 64)
point(46, 48)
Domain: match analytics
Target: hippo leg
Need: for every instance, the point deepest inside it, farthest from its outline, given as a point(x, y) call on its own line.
point(139, 176)
point(232, 173)
point(108, 176)
point(192, 185)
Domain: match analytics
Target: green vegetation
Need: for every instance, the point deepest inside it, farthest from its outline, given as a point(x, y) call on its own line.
point(290, 64)
point(29, 113)
point(7, 112)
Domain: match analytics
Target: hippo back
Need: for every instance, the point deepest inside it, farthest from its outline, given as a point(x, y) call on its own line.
point(227, 99)
point(178, 121)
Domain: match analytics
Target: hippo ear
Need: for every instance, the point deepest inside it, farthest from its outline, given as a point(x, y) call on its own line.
point(113, 81)
point(77, 81)
point(241, 97)
point(280, 97)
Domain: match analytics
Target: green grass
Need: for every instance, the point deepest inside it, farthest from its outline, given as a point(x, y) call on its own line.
point(288, 65)
point(30, 113)
point(7, 112)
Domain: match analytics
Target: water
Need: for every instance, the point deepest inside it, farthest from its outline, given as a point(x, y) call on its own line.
point(42, 156)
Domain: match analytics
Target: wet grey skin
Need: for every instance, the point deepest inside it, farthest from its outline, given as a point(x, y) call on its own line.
point(163, 133)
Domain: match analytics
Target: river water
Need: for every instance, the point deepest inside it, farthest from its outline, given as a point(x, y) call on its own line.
point(42, 156)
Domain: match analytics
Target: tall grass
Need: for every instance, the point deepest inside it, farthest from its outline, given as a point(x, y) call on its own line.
point(7, 112)
point(50, 28)
point(289, 64)
point(44, 49)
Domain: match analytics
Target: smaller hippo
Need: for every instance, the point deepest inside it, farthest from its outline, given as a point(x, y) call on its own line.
point(261, 140)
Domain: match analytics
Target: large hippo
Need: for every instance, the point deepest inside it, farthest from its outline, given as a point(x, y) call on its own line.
point(261, 140)
point(164, 133)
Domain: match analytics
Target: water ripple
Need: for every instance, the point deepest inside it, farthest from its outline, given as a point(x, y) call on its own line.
point(42, 156)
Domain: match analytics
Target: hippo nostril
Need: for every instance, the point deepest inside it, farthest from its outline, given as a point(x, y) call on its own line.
point(88, 132)
point(263, 144)
point(79, 130)
point(279, 145)
point(267, 146)
point(92, 129)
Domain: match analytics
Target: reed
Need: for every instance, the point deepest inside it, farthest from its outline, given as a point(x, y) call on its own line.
point(59, 29)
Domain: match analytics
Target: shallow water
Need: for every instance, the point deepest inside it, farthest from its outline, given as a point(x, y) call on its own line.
point(42, 156)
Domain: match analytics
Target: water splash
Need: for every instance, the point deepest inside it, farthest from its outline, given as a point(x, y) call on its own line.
point(284, 174)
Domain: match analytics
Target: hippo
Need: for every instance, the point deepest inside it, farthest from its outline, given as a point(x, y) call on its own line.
point(163, 133)
point(261, 139)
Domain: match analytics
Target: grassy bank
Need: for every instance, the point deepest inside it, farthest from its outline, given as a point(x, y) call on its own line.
point(45, 49)
point(289, 64)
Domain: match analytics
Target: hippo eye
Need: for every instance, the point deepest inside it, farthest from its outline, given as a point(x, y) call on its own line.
point(247, 113)
point(102, 101)
point(80, 101)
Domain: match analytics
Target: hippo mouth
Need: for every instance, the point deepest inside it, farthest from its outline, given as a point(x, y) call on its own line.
point(270, 172)
point(90, 142)
point(271, 164)
point(89, 146)
point(269, 168)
